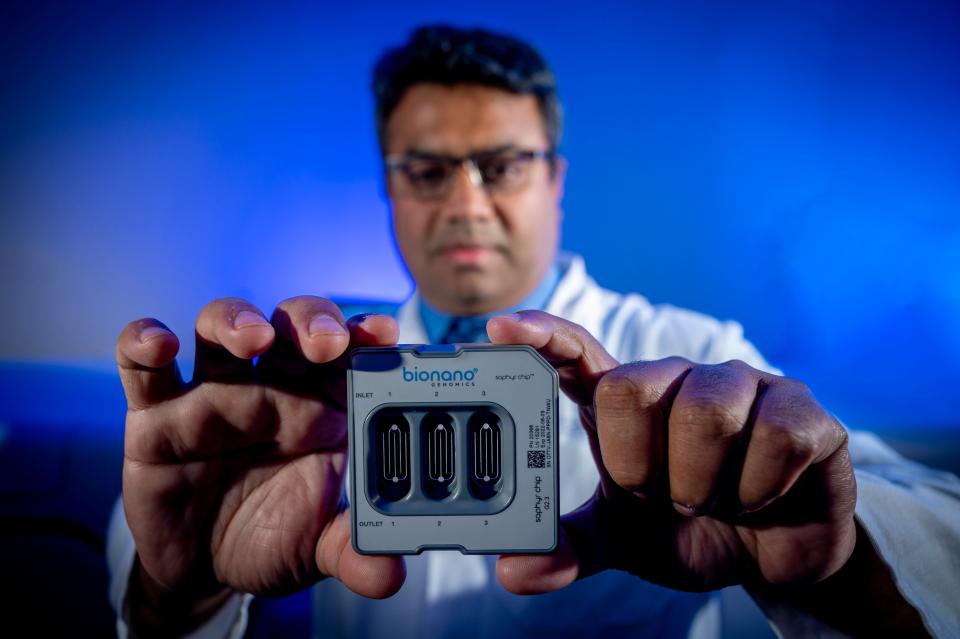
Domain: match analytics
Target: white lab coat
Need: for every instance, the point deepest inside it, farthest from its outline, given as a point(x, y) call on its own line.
point(452, 595)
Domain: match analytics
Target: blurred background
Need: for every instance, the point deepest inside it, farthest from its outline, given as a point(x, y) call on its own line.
point(792, 165)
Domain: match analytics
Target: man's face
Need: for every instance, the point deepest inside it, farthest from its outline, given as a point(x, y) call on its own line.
point(473, 250)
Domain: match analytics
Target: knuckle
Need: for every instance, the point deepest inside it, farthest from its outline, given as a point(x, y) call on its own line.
point(737, 365)
point(670, 370)
point(614, 387)
point(708, 418)
point(787, 441)
point(625, 386)
point(719, 379)
point(634, 476)
point(795, 387)
point(840, 433)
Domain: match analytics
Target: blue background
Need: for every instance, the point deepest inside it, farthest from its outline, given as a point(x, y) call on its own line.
point(793, 165)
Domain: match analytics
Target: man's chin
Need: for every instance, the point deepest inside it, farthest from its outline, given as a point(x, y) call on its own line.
point(471, 291)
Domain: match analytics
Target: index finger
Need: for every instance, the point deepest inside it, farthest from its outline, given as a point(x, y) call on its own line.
point(632, 404)
point(578, 357)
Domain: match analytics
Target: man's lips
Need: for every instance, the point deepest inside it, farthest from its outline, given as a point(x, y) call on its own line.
point(467, 254)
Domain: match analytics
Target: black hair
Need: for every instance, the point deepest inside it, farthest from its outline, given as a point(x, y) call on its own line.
point(449, 55)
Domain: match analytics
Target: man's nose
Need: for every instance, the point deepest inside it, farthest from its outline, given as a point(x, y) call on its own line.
point(468, 198)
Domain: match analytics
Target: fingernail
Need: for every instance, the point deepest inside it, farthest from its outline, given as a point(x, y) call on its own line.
point(746, 509)
point(324, 324)
point(687, 510)
point(513, 316)
point(150, 332)
point(249, 318)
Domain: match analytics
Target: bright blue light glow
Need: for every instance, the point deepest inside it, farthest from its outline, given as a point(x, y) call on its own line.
point(793, 166)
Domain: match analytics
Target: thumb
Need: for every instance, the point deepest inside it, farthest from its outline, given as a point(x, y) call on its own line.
point(374, 576)
point(146, 352)
point(580, 360)
point(581, 552)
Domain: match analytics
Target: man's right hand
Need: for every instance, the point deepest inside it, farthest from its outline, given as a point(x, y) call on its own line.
point(233, 482)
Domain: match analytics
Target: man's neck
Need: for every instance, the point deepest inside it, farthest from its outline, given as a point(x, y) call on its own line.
point(436, 321)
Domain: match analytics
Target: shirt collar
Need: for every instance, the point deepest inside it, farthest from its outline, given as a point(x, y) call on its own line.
point(437, 322)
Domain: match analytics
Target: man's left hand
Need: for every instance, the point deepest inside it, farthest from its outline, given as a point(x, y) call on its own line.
point(710, 475)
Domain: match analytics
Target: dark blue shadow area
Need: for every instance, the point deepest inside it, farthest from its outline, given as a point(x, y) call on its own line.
point(61, 452)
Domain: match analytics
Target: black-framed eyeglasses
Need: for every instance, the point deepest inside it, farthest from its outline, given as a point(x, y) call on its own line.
point(430, 176)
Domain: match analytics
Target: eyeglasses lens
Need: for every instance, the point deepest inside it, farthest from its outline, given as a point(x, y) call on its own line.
point(501, 172)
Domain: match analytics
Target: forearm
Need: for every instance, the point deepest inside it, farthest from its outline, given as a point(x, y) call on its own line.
point(155, 611)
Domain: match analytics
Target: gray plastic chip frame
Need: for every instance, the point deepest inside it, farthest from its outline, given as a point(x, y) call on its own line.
point(522, 522)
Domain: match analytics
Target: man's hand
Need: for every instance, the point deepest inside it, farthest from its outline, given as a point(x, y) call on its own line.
point(710, 475)
point(233, 482)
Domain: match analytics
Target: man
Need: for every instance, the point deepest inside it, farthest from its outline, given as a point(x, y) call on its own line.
point(695, 472)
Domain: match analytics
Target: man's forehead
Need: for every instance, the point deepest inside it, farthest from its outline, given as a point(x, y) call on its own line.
point(463, 118)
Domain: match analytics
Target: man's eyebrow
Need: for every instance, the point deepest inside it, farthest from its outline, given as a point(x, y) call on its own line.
point(432, 155)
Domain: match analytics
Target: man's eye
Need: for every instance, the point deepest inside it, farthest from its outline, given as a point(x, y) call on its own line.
point(427, 173)
point(501, 169)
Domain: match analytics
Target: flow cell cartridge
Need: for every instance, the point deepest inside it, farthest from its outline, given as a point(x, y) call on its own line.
point(453, 447)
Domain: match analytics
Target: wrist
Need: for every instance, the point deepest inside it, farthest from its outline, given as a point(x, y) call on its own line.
point(861, 599)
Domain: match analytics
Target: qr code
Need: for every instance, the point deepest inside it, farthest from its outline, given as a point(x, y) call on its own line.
point(536, 459)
